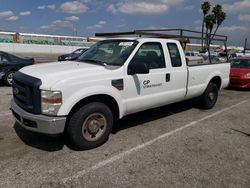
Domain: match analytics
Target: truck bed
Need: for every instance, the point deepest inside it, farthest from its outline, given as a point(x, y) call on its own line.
point(200, 75)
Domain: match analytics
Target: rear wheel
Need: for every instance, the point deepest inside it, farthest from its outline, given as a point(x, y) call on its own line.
point(210, 96)
point(9, 78)
point(90, 126)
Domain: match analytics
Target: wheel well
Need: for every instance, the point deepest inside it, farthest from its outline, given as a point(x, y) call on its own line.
point(10, 70)
point(216, 80)
point(105, 99)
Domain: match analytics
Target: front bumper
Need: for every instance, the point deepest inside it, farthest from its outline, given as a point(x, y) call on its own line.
point(38, 123)
point(240, 83)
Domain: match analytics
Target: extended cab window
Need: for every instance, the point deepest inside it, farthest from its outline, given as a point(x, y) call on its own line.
point(150, 53)
point(174, 55)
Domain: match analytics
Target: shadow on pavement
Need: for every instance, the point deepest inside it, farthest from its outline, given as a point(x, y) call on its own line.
point(153, 114)
point(39, 141)
point(55, 143)
point(44, 142)
point(230, 88)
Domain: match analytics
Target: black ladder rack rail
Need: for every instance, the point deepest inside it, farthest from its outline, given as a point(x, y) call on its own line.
point(183, 35)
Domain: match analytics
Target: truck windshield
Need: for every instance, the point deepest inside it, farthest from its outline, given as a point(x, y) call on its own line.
point(109, 52)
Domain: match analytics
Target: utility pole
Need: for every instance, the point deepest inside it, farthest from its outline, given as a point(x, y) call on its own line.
point(74, 30)
point(245, 46)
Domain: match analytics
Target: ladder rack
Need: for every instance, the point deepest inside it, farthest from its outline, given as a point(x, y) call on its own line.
point(183, 35)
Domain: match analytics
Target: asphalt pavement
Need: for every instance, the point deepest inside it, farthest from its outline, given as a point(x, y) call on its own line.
point(178, 145)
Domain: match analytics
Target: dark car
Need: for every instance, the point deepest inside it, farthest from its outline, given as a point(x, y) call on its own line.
point(9, 64)
point(72, 56)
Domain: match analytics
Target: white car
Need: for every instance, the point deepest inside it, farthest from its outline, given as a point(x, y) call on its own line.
point(192, 54)
point(114, 78)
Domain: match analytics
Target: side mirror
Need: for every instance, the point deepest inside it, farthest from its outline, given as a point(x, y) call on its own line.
point(140, 68)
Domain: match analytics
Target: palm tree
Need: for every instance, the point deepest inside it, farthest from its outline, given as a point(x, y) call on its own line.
point(220, 16)
point(217, 10)
point(205, 7)
point(209, 21)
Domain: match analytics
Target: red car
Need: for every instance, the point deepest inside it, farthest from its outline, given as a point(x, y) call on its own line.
point(240, 72)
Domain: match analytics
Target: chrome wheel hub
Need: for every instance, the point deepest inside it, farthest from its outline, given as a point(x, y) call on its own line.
point(94, 126)
point(211, 96)
point(10, 78)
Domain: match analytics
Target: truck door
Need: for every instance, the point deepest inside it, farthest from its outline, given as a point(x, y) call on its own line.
point(144, 91)
point(177, 87)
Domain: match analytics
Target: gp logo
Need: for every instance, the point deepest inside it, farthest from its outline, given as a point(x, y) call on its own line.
point(146, 82)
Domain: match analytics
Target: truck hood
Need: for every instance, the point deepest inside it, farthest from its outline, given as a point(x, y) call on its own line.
point(52, 73)
point(239, 71)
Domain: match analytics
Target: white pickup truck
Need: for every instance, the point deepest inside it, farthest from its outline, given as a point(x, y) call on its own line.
point(114, 78)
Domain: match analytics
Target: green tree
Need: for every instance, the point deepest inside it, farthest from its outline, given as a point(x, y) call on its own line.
point(209, 22)
point(220, 16)
point(205, 7)
point(210, 18)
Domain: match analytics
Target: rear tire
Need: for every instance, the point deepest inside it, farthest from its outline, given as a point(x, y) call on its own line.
point(8, 78)
point(209, 97)
point(90, 126)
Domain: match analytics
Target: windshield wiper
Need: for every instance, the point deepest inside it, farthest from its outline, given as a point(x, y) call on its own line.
point(114, 64)
point(94, 62)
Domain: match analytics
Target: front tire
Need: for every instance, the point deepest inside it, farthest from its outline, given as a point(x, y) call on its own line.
point(8, 79)
point(209, 97)
point(90, 126)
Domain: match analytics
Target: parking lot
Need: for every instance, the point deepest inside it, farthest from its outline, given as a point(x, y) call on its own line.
point(173, 146)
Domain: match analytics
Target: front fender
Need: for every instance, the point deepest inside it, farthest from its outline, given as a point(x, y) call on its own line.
point(2, 75)
point(72, 100)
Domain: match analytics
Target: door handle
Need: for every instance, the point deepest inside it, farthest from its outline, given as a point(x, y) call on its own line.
point(168, 77)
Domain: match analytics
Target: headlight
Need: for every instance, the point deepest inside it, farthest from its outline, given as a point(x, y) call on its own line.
point(68, 58)
point(51, 102)
point(247, 75)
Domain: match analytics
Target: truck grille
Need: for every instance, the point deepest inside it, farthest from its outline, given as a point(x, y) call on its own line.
point(26, 92)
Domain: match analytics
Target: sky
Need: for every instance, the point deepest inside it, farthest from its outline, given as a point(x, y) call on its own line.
point(86, 17)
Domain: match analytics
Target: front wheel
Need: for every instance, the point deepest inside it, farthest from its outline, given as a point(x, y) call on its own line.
point(90, 126)
point(210, 96)
point(8, 79)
